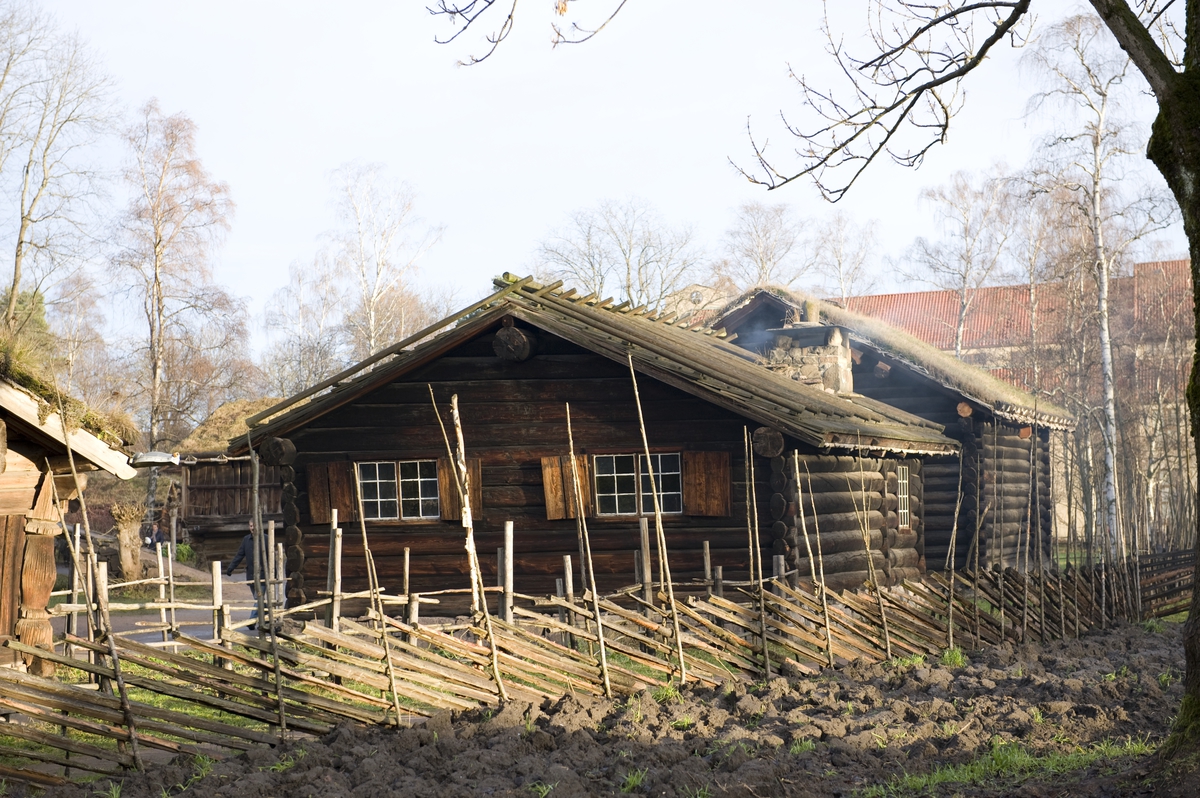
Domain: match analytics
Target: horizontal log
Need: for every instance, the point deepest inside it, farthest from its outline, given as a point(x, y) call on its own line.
point(907, 558)
point(826, 523)
point(839, 542)
point(845, 561)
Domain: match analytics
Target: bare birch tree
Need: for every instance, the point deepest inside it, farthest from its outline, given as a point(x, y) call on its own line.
point(177, 213)
point(1085, 74)
point(842, 256)
point(376, 247)
point(976, 223)
point(623, 246)
point(304, 321)
point(54, 104)
point(763, 246)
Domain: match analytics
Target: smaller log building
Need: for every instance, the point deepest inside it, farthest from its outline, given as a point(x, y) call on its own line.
point(34, 471)
point(516, 361)
point(1007, 500)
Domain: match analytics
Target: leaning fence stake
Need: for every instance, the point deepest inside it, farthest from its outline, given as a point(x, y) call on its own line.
point(577, 487)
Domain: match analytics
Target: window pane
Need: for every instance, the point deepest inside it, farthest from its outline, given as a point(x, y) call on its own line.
point(408, 469)
point(429, 508)
point(387, 471)
point(366, 471)
point(607, 504)
point(626, 504)
point(604, 465)
point(410, 508)
point(671, 503)
point(623, 463)
point(606, 485)
point(427, 469)
point(625, 483)
point(388, 509)
point(370, 490)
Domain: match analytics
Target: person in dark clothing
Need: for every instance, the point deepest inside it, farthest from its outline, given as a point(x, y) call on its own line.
point(245, 552)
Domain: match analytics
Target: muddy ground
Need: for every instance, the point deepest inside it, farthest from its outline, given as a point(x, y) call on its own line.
point(836, 734)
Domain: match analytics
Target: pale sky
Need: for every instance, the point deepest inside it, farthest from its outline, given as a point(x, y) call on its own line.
point(500, 153)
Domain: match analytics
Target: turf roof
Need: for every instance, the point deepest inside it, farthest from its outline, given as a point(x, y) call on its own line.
point(976, 384)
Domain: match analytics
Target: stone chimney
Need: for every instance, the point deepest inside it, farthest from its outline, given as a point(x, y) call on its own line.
point(813, 354)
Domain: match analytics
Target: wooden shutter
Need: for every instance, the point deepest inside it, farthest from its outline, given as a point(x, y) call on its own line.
point(558, 482)
point(707, 483)
point(450, 506)
point(318, 492)
point(342, 494)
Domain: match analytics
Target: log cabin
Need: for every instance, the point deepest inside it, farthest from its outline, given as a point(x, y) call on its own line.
point(369, 439)
point(1007, 503)
point(34, 472)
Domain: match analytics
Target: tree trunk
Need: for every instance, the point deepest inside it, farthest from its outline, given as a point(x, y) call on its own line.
point(1175, 150)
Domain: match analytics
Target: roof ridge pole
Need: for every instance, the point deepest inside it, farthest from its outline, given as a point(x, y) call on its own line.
point(658, 526)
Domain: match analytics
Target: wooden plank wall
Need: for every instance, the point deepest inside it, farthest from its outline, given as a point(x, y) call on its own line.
point(513, 415)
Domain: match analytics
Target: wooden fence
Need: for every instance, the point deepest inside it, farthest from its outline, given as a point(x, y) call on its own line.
point(257, 681)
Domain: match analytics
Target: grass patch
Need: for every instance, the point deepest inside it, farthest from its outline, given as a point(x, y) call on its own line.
point(909, 662)
point(1007, 763)
point(802, 746)
point(633, 779)
point(954, 658)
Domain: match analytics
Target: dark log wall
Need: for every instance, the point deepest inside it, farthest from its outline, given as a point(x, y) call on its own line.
point(835, 495)
point(1003, 471)
point(513, 415)
point(217, 505)
point(995, 478)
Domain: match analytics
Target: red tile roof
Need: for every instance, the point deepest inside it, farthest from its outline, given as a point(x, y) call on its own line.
point(1157, 295)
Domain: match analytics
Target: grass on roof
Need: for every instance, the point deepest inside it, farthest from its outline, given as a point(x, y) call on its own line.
point(226, 423)
point(116, 431)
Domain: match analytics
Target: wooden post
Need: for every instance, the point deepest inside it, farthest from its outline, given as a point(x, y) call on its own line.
point(218, 597)
point(220, 618)
point(778, 568)
point(414, 612)
point(272, 565)
point(162, 591)
point(569, 594)
point(647, 578)
point(500, 574)
point(637, 566)
point(508, 572)
point(329, 611)
point(73, 617)
point(562, 613)
point(335, 598)
point(708, 589)
point(406, 569)
point(719, 581)
point(664, 564)
point(820, 555)
point(280, 578)
point(171, 578)
point(756, 550)
point(587, 547)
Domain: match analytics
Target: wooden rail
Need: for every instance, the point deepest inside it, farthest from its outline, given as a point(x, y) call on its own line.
point(245, 686)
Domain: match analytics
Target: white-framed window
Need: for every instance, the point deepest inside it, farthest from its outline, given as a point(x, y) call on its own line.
point(394, 490)
point(902, 512)
point(622, 483)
